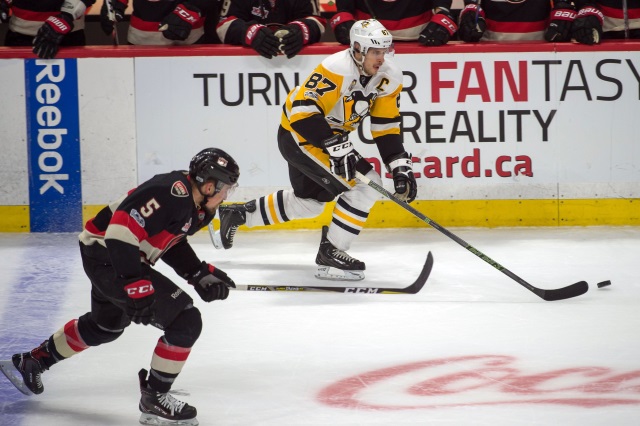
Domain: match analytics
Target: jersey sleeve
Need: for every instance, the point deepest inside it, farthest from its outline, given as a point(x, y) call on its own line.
point(308, 12)
point(386, 120)
point(235, 18)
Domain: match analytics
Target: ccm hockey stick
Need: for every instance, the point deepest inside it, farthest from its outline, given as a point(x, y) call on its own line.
point(570, 291)
point(413, 288)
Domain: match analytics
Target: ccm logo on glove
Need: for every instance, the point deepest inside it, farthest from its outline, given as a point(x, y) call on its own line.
point(138, 289)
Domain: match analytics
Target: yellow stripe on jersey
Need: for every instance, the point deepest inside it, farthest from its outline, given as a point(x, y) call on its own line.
point(386, 107)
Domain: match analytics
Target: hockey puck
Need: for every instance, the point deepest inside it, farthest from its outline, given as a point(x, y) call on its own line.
point(604, 284)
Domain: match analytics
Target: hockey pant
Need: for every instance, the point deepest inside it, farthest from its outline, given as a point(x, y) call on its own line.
point(173, 312)
point(313, 185)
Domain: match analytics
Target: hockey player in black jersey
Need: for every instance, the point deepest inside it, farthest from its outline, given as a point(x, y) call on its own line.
point(45, 24)
point(271, 27)
point(119, 247)
point(313, 138)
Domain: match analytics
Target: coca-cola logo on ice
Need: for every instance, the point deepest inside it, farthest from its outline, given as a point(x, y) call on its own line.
point(483, 380)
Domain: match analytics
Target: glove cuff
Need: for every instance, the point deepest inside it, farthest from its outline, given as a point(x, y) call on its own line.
point(340, 18)
point(139, 288)
point(445, 20)
point(591, 11)
point(400, 160)
point(251, 33)
point(304, 29)
point(472, 8)
point(563, 15)
point(189, 14)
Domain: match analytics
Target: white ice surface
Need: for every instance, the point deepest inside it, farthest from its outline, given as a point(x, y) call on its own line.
point(472, 348)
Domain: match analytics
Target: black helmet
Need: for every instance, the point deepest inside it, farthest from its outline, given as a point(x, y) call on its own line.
point(214, 164)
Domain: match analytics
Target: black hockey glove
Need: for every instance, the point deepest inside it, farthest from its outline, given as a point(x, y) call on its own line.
point(47, 42)
point(211, 283)
point(262, 40)
point(560, 21)
point(140, 300)
point(403, 179)
point(342, 157)
point(341, 24)
point(472, 23)
point(5, 7)
point(439, 29)
point(296, 37)
point(587, 27)
point(179, 23)
point(118, 11)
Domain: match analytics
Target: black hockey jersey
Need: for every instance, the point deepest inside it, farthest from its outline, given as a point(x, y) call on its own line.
point(27, 16)
point(405, 19)
point(151, 222)
point(510, 20)
point(238, 15)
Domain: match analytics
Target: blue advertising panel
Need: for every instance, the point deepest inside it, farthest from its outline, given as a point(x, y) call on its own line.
point(53, 131)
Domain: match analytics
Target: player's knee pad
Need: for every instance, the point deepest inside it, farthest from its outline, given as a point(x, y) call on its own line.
point(93, 333)
point(185, 329)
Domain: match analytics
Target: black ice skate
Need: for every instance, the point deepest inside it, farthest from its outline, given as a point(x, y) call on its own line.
point(334, 264)
point(30, 365)
point(162, 408)
point(232, 216)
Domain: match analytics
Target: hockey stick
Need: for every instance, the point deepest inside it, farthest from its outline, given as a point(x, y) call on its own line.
point(373, 15)
point(413, 288)
point(112, 17)
point(625, 15)
point(572, 290)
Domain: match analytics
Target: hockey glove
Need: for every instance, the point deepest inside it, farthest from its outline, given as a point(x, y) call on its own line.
point(439, 30)
point(47, 42)
point(560, 21)
point(5, 7)
point(472, 23)
point(342, 157)
point(118, 11)
point(179, 23)
point(403, 179)
point(262, 40)
point(341, 24)
point(140, 300)
point(587, 27)
point(211, 283)
point(295, 39)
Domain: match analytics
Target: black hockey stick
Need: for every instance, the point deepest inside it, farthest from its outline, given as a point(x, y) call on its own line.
point(413, 288)
point(572, 290)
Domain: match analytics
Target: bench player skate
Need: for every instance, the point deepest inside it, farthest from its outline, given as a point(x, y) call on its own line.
point(313, 138)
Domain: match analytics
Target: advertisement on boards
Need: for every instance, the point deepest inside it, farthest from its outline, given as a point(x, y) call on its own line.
point(484, 125)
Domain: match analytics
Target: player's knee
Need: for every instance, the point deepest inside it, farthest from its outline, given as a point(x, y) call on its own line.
point(185, 329)
point(94, 334)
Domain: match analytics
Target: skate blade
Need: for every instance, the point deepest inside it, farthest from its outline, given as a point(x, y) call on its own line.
point(335, 274)
point(7, 368)
point(151, 419)
point(216, 239)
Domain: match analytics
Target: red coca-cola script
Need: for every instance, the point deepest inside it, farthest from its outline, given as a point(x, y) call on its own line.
point(483, 380)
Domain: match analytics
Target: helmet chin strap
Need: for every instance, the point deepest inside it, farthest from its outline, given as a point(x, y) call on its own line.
point(359, 64)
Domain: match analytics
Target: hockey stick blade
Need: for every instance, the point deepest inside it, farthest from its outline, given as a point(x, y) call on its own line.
point(567, 292)
point(413, 288)
point(7, 368)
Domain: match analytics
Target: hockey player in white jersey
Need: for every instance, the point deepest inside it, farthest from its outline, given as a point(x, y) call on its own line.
point(314, 139)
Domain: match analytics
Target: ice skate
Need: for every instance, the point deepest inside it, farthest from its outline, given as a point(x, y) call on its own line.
point(334, 264)
point(232, 216)
point(162, 408)
point(30, 365)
